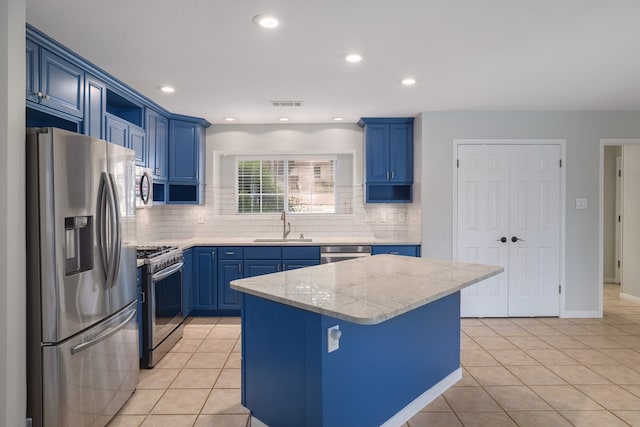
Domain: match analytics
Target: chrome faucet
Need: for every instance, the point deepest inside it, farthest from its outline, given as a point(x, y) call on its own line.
point(286, 226)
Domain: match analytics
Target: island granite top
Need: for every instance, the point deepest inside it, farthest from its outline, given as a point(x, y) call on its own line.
point(367, 290)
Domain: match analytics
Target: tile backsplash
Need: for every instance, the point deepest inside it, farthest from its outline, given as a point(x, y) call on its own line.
point(217, 218)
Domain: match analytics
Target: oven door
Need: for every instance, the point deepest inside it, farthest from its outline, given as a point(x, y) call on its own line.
point(165, 302)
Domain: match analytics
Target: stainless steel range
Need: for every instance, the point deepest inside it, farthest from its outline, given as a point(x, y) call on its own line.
point(162, 316)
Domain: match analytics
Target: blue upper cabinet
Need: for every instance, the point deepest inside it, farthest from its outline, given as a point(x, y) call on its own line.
point(184, 151)
point(388, 159)
point(33, 74)
point(117, 131)
point(94, 107)
point(53, 82)
point(401, 152)
point(186, 162)
point(138, 143)
point(123, 133)
point(158, 139)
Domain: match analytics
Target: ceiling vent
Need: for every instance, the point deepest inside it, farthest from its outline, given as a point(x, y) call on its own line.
point(286, 103)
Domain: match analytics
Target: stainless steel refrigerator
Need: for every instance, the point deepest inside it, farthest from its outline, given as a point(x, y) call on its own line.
point(82, 334)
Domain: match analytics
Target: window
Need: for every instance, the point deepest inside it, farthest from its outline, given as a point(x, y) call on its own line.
point(292, 185)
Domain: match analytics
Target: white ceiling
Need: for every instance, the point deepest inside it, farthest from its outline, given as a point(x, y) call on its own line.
point(467, 55)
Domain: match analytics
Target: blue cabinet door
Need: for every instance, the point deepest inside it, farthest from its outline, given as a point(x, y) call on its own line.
point(187, 282)
point(401, 153)
point(292, 264)
point(117, 131)
point(377, 153)
point(94, 107)
point(61, 84)
point(257, 267)
point(184, 151)
point(158, 139)
point(32, 69)
point(138, 143)
point(228, 270)
point(206, 272)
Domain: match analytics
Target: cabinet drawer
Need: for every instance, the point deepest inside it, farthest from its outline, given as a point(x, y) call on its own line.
point(301, 252)
point(229, 253)
point(262, 252)
point(407, 250)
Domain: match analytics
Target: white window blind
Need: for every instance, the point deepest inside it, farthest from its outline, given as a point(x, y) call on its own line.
point(292, 185)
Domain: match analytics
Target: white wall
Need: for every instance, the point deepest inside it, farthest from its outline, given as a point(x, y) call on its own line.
point(609, 217)
point(12, 213)
point(219, 210)
point(581, 130)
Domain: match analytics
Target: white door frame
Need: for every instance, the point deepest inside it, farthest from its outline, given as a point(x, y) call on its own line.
point(603, 142)
point(562, 143)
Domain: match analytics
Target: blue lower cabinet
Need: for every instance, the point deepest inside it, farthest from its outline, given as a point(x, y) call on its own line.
point(258, 267)
point(228, 270)
point(187, 282)
point(407, 250)
point(294, 257)
point(205, 297)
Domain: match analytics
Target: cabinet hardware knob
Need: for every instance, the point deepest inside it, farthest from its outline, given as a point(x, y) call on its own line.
point(502, 239)
point(393, 174)
point(515, 239)
point(39, 94)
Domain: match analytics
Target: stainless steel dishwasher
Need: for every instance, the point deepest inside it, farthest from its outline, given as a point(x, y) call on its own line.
point(342, 253)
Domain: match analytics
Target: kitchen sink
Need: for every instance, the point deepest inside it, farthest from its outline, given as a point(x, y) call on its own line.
point(276, 240)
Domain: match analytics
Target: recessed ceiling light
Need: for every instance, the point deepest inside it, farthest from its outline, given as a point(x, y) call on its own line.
point(408, 81)
point(266, 21)
point(338, 119)
point(167, 89)
point(353, 57)
point(284, 119)
point(229, 119)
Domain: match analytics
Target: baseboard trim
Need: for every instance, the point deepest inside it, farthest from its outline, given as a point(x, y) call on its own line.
point(423, 400)
point(610, 280)
point(630, 298)
point(576, 314)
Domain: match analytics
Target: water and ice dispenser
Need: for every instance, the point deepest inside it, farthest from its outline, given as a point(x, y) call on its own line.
point(78, 245)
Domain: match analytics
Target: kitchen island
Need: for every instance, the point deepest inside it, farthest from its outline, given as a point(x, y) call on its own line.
point(364, 342)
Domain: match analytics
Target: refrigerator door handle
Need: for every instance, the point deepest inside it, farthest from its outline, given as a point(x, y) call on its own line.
point(117, 235)
point(103, 336)
point(102, 224)
point(113, 233)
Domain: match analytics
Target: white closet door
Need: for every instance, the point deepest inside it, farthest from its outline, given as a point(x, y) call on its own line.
point(483, 192)
point(534, 220)
point(512, 192)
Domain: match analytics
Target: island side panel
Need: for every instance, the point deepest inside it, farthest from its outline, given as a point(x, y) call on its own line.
point(379, 369)
point(281, 362)
point(290, 379)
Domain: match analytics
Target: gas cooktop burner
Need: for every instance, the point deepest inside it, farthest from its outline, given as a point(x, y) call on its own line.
point(149, 252)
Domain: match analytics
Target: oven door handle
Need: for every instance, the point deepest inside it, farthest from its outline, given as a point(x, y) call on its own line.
point(156, 277)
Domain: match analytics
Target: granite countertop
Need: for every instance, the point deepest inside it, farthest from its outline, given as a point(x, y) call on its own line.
point(367, 290)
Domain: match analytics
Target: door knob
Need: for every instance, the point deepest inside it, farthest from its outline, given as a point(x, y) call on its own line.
point(515, 239)
point(502, 239)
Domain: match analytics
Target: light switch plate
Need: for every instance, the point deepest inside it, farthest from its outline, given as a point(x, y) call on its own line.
point(581, 203)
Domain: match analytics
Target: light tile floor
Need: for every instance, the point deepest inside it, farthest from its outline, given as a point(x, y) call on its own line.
point(525, 372)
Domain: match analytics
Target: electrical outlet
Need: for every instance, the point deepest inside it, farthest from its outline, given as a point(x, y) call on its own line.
point(333, 338)
point(201, 218)
point(383, 216)
point(402, 218)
